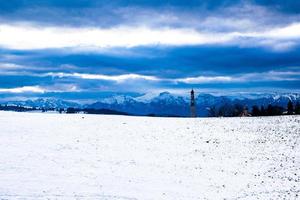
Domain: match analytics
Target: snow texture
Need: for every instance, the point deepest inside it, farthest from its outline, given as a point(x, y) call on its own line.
point(60, 156)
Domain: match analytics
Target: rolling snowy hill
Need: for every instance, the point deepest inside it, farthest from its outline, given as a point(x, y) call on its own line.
point(52, 156)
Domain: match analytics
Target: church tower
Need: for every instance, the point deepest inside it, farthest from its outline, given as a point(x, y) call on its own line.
point(193, 104)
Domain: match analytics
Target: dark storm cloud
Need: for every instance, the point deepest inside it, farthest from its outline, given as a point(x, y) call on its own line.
point(176, 62)
point(287, 6)
point(107, 13)
point(204, 67)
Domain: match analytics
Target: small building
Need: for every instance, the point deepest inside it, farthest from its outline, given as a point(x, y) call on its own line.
point(245, 113)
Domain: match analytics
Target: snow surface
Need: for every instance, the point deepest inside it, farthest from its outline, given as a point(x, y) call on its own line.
point(60, 156)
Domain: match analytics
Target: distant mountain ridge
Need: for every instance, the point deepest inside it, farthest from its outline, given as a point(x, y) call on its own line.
point(165, 103)
point(46, 103)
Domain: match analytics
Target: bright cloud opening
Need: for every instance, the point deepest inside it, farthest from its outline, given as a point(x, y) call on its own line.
point(26, 37)
point(25, 89)
point(31, 37)
point(117, 78)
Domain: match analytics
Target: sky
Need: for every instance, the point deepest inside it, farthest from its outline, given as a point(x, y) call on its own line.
point(84, 49)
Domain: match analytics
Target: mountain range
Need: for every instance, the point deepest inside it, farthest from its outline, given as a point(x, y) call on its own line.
point(165, 103)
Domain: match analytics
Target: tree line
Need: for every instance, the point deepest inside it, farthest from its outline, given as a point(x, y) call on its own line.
point(225, 110)
point(228, 110)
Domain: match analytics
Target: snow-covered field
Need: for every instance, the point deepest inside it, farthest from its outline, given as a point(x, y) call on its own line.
point(59, 156)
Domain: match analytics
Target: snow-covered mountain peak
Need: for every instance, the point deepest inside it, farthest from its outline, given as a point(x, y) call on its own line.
point(46, 103)
point(119, 99)
point(147, 97)
point(165, 95)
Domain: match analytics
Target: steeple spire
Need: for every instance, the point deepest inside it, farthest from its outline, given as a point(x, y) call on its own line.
point(193, 104)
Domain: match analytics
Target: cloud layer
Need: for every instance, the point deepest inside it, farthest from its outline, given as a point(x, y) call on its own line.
point(30, 37)
point(88, 47)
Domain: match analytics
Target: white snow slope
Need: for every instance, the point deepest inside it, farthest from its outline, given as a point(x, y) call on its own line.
point(60, 156)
